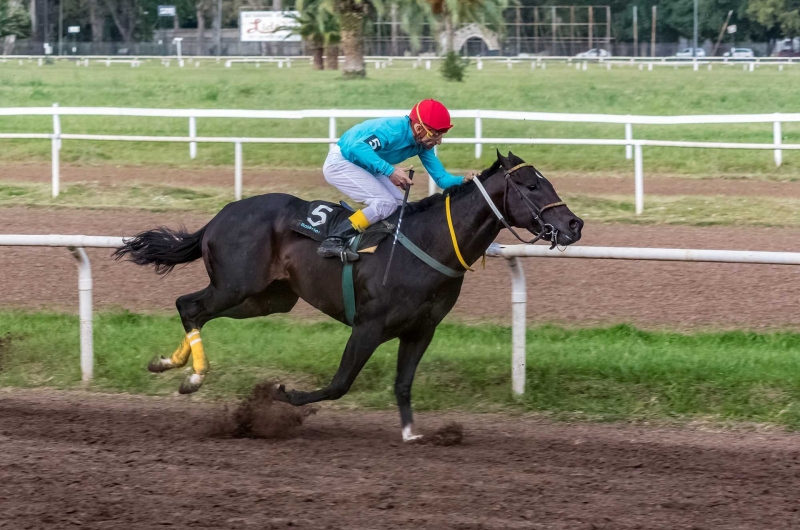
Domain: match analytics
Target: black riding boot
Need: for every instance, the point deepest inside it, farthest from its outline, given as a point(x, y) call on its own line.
point(335, 246)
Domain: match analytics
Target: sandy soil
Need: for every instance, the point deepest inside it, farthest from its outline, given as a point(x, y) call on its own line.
point(78, 460)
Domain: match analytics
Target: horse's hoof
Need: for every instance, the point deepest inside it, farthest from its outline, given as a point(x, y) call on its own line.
point(281, 395)
point(191, 384)
point(409, 436)
point(159, 364)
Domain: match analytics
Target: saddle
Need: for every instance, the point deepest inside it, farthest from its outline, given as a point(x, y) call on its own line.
point(322, 218)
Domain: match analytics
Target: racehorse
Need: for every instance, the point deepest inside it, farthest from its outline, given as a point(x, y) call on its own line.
point(258, 265)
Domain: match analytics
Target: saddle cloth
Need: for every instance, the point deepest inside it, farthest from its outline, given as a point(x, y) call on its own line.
point(319, 219)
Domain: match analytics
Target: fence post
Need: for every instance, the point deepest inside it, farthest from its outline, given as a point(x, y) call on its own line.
point(777, 140)
point(478, 135)
point(192, 134)
point(85, 311)
point(56, 148)
point(237, 177)
point(332, 132)
point(628, 137)
point(639, 180)
point(519, 298)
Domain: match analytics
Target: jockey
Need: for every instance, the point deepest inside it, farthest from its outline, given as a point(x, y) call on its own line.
point(361, 167)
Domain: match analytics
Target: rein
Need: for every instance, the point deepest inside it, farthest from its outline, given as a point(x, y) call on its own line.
point(546, 229)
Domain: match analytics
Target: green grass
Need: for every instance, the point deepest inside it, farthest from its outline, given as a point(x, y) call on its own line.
point(659, 209)
point(560, 88)
point(601, 374)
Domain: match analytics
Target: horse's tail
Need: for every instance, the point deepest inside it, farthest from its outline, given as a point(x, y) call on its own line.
point(163, 248)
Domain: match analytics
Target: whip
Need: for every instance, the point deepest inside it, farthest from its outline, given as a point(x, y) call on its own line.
point(397, 229)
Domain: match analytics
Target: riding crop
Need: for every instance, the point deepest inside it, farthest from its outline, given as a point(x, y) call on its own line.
point(397, 229)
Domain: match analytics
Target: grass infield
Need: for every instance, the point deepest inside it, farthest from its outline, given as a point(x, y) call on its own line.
point(559, 88)
point(613, 373)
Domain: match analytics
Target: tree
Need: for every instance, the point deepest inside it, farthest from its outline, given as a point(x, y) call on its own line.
point(351, 16)
point(14, 22)
point(781, 14)
point(203, 9)
point(319, 29)
point(125, 14)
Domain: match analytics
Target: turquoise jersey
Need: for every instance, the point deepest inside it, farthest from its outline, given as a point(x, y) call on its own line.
point(377, 144)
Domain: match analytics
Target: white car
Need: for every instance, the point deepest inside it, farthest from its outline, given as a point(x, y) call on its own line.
point(687, 52)
point(741, 53)
point(594, 53)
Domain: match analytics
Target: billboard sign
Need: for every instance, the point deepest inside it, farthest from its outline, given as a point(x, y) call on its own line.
point(167, 11)
point(262, 26)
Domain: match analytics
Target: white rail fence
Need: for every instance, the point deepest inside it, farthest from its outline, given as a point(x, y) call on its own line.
point(633, 147)
point(513, 253)
point(76, 245)
point(519, 295)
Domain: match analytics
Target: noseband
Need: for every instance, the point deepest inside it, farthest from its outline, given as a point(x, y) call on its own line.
point(545, 229)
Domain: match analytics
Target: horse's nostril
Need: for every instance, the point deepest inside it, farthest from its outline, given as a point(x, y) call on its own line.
point(575, 225)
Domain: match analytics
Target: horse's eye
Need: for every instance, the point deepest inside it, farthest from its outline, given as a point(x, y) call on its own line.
point(531, 186)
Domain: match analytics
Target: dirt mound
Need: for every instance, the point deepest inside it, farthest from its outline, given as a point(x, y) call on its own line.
point(450, 434)
point(260, 416)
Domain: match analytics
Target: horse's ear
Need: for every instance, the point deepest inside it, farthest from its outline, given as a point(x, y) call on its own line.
point(505, 162)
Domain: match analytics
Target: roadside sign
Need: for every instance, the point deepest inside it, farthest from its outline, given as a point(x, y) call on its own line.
point(167, 11)
point(74, 29)
point(732, 28)
point(268, 26)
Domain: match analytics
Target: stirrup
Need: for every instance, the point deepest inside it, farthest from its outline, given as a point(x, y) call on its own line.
point(341, 250)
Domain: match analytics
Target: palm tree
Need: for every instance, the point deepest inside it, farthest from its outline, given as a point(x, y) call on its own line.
point(351, 15)
point(310, 28)
point(14, 20)
point(331, 37)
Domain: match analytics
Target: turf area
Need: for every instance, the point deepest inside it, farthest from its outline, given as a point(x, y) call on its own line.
point(559, 88)
point(601, 374)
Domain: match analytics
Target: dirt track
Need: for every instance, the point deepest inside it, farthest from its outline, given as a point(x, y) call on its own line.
point(574, 292)
point(304, 181)
point(77, 460)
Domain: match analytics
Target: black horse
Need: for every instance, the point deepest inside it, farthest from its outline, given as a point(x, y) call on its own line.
point(258, 266)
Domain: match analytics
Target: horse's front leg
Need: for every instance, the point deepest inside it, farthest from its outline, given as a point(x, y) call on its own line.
point(412, 346)
point(363, 342)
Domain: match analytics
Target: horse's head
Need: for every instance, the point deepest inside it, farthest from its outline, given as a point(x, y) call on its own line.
point(531, 202)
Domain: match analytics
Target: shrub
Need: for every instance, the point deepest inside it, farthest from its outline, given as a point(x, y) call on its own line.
point(454, 66)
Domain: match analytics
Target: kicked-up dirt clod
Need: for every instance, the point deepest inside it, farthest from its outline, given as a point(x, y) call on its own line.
point(260, 416)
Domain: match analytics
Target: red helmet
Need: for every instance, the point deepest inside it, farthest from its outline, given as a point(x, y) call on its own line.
point(432, 114)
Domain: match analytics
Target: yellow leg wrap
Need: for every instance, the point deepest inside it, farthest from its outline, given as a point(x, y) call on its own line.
point(181, 355)
point(359, 221)
point(199, 361)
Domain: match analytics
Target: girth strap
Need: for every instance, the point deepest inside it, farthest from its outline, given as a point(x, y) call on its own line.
point(348, 290)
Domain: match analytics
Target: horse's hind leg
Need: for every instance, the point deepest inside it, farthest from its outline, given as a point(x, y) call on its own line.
point(198, 308)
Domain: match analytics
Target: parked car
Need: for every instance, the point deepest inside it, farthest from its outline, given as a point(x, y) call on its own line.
point(739, 53)
point(687, 52)
point(594, 53)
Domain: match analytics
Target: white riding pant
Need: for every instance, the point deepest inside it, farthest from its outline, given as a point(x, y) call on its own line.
point(376, 191)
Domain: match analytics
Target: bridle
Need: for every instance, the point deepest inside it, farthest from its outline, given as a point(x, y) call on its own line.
point(545, 229)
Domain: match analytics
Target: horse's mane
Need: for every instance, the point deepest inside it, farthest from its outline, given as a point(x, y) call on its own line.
point(456, 191)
